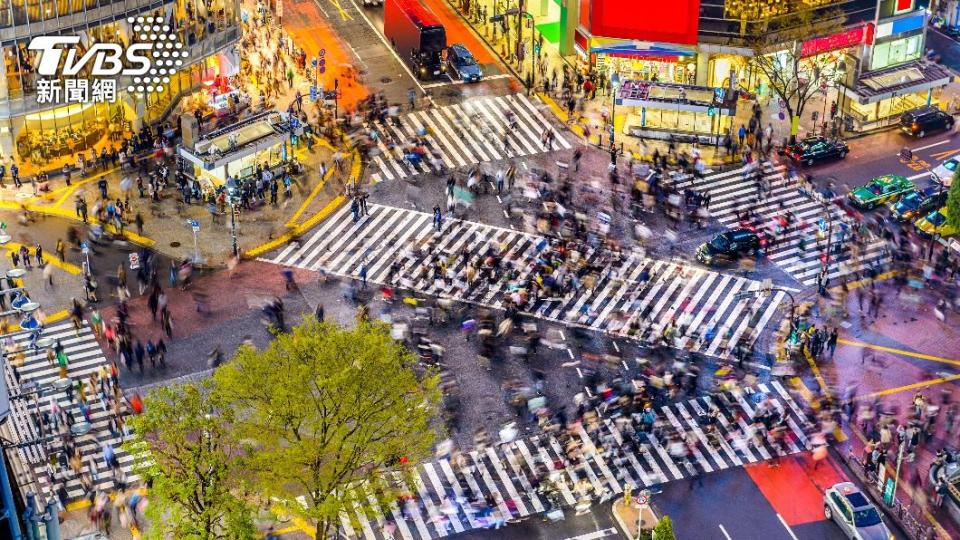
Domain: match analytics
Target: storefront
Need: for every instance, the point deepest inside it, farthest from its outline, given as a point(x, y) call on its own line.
point(57, 135)
point(684, 113)
point(237, 150)
point(879, 98)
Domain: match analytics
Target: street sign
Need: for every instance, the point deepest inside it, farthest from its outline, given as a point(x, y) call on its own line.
point(134, 261)
point(194, 224)
point(642, 499)
point(323, 52)
point(781, 115)
point(888, 492)
point(323, 69)
point(314, 62)
point(711, 111)
point(313, 93)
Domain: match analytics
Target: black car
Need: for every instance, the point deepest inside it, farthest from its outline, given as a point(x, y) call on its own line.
point(728, 246)
point(918, 203)
point(922, 120)
point(813, 149)
point(463, 65)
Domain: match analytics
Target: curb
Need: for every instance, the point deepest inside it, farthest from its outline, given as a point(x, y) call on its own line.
point(619, 520)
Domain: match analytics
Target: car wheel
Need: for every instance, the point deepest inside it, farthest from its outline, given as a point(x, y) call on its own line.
point(810, 162)
point(827, 513)
point(843, 154)
point(921, 134)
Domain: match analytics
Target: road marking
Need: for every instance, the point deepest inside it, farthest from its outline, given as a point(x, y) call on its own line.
point(900, 352)
point(595, 534)
point(945, 141)
point(945, 154)
point(904, 388)
point(387, 45)
point(725, 534)
point(918, 176)
point(460, 81)
point(787, 527)
point(343, 14)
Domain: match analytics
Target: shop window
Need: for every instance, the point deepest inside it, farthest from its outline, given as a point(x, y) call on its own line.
point(896, 52)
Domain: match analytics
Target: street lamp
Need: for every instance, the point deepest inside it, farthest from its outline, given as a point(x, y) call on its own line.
point(615, 89)
point(232, 195)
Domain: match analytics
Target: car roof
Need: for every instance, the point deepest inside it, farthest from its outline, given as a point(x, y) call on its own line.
point(460, 49)
point(922, 111)
point(890, 178)
point(857, 500)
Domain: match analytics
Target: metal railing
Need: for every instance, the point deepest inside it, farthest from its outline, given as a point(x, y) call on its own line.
point(902, 513)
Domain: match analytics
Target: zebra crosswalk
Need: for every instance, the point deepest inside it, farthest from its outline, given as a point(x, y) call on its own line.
point(35, 390)
point(731, 193)
point(719, 429)
point(632, 296)
point(464, 134)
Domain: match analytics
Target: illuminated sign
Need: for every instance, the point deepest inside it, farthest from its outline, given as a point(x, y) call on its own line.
point(648, 20)
point(841, 40)
point(902, 6)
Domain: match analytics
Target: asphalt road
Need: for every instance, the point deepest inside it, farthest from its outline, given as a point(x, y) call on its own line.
point(596, 525)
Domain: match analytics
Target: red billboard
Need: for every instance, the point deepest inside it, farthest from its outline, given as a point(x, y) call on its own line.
point(647, 20)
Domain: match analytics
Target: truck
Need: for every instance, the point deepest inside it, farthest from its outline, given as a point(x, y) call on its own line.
point(417, 35)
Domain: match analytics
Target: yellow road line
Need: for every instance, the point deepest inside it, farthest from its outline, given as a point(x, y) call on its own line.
point(69, 190)
point(816, 373)
point(945, 154)
point(901, 352)
point(805, 392)
point(864, 282)
point(54, 261)
point(907, 387)
point(560, 113)
point(58, 316)
point(343, 14)
point(313, 193)
point(72, 216)
point(284, 238)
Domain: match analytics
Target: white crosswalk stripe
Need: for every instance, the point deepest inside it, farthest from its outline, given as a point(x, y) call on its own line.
point(465, 134)
point(33, 395)
point(633, 297)
point(613, 458)
point(731, 192)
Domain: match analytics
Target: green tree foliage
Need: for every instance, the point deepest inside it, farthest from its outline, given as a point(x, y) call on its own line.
point(331, 414)
point(664, 529)
point(953, 203)
point(184, 446)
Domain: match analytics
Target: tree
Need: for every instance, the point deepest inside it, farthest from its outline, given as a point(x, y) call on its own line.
point(331, 412)
point(777, 55)
point(953, 203)
point(664, 529)
point(184, 447)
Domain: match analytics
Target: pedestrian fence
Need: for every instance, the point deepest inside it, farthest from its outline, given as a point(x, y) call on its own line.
point(903, 514)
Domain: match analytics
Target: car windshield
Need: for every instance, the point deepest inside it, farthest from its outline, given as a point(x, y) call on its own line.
point(913, 199)
point(874, 187)
point(936, 218)
point(950, 165)
point(866, 517)
point(719, 243)
point(467, 61)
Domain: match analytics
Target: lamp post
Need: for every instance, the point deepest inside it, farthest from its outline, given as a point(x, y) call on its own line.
point(614, 90)
point(232, 189)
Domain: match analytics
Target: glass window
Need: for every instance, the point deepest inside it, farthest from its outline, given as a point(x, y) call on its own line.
point(896, 52)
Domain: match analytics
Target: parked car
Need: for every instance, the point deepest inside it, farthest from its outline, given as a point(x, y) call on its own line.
point(813, 149)
point(463, 65)
point(935, 223)
point(372, 3)
point(945, 171)
point(880, 190)
point(918, 203)
point(728, 246)
point(923, 120)
point(848, 507)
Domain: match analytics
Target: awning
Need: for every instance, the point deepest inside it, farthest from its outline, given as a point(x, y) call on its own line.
point(918, 76)
point(635, 49)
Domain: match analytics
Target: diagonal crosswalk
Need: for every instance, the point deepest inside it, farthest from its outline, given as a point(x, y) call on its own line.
point(603, 455)
point(464, 134)
point(33, 396)
point(731, 193)
point(633, 296)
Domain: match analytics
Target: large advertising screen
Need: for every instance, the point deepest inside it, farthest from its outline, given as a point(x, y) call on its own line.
point(647, 20)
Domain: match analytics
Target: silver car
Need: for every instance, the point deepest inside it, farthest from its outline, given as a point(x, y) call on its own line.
point(850, 508)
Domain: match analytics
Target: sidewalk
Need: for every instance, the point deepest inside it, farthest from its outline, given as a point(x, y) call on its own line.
point(633, 518)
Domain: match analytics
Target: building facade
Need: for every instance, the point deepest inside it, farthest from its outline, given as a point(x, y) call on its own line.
point(41, 136)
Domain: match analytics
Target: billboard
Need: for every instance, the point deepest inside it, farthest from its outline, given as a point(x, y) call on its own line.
point(647, 20)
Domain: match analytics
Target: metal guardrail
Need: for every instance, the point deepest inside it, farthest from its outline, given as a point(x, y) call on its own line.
point(901, 513)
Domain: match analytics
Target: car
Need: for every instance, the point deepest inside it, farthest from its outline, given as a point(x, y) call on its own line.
point(813, 149)
point(372, 3)
point(463, 65)
point(847, 506)
point(918, 203)
point(728, 246)
point(880, 190)
point(945, 171)
point(920, 121)
point(935, 223)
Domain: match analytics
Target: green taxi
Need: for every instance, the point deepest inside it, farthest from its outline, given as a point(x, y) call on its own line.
point(880, 190)
point(935, 223)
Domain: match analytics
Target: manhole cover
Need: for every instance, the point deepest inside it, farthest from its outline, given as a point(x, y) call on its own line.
point(174, 244)
point(385, 80)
